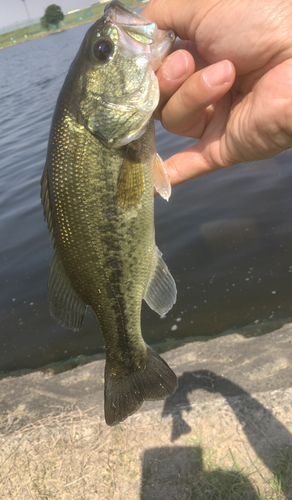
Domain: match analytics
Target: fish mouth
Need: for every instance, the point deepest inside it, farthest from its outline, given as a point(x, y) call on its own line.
point(137, 26)
point(139, 35)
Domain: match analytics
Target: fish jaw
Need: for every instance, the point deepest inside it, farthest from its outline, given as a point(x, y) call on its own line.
point(138, 35)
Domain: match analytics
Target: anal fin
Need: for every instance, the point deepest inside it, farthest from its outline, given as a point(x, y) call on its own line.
point(160, 293)
point(64, 302)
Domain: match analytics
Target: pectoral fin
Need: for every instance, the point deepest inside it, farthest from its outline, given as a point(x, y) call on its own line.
point(161, 179)
point(131, 179)
point(160, 293)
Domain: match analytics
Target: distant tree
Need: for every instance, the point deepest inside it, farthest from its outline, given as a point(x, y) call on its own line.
point(52, 17)
point(44, 23)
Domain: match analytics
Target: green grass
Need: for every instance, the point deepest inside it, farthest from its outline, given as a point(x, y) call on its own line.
point(210, 481)
point(281, 482)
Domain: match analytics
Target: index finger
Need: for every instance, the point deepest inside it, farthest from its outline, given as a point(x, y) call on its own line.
point(175, 70)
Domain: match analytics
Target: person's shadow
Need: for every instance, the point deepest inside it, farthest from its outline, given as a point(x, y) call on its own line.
point(168, 472)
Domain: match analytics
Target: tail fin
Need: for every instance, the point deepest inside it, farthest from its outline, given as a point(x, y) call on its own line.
point(124, 396)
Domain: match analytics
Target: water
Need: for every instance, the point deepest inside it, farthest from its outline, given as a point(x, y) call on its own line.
point(227, 236)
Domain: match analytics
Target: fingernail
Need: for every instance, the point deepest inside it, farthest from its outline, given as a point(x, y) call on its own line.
point(175, 66)
point(217, 74)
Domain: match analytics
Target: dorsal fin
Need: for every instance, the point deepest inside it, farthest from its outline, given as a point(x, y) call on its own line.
point(46, 203)
point(64, 302)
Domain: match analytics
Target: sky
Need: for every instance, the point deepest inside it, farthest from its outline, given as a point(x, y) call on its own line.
point(12, 11)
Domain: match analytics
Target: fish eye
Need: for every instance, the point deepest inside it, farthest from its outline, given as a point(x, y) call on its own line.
point(171, 35)
point(103, 49)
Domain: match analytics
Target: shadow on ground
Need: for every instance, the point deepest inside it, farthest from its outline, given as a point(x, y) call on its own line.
point(184, 477)
point(177, 472)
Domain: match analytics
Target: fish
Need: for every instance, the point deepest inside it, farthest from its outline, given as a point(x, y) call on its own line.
point(97, 192)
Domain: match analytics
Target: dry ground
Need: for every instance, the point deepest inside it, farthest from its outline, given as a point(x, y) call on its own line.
point(76, 456)
point(225, 435)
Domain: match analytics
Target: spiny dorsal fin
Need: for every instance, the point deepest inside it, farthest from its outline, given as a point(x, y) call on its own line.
point(160, 293)
point(131, 179)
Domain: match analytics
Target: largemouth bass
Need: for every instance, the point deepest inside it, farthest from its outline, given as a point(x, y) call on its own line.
point(97, 194)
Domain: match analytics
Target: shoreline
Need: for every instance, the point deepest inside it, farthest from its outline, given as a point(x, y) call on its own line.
point(42, 34)
point(56, 367)
point(215, 356)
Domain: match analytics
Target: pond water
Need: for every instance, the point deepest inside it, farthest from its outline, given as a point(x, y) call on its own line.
point(226, 236)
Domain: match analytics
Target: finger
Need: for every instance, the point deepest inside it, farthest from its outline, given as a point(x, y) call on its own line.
point(173, 15)
point(188, 111)
point(175, 70)
point(187, 165)
point(209, 153)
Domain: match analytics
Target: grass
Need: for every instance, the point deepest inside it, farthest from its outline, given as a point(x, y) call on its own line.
point(74, 455)
point(282, 479)
point(213, 482)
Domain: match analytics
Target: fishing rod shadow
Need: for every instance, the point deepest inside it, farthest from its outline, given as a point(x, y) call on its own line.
point(265, 433)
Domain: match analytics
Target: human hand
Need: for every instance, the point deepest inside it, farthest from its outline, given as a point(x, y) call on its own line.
point(232, 89)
